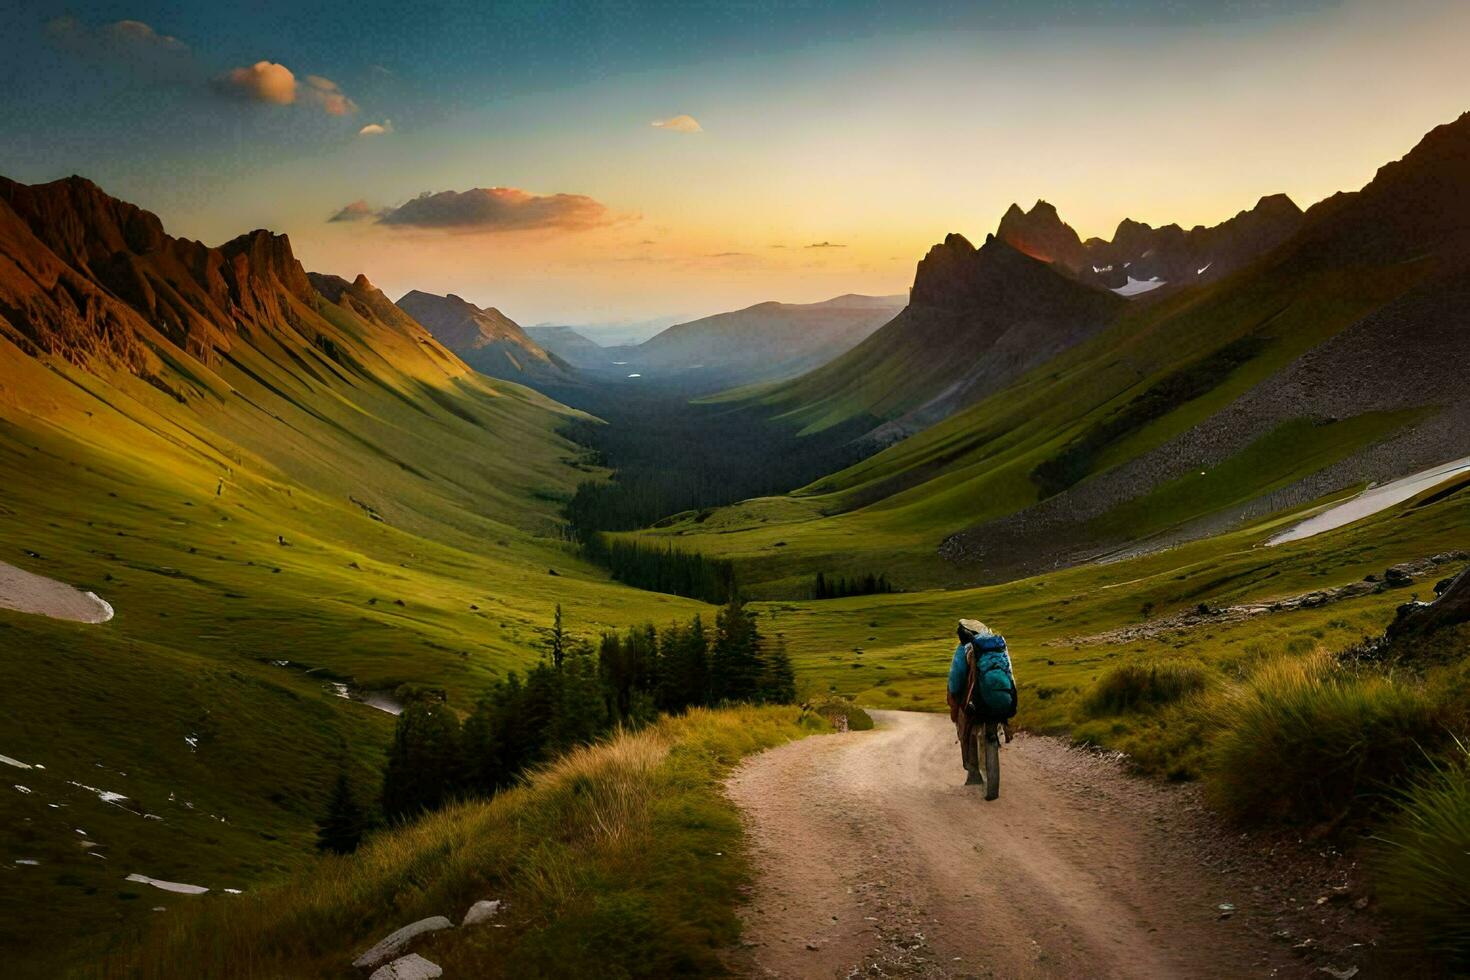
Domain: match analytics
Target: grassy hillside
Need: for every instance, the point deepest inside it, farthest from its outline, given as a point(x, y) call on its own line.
point(978, 465)
point(303, 480)
point(1067, 627)
point(1326, 363)
point(621, 859)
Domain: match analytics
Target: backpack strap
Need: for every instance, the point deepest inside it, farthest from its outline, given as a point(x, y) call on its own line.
point(972, 675)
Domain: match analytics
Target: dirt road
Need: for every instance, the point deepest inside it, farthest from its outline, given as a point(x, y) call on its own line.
point(875, 860)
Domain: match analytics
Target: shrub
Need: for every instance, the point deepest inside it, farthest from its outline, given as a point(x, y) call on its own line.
point(1140, 686)
point(831, 707)
point(1424, 871)
point(1304, 740)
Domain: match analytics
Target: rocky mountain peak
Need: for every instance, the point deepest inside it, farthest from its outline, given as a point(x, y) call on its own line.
point(1042, 234)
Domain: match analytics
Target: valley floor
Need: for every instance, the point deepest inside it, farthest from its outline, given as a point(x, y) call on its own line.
point(875, 860)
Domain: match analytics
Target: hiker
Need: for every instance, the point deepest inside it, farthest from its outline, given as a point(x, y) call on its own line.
point(981, 689)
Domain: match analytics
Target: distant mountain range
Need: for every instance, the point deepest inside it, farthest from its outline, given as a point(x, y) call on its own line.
point(1048, 420)
point(488, 340)
point(765, 342)
point(1141, 258)
point(571, 346)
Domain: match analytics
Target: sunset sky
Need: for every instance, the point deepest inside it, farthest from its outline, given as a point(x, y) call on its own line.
point(590, 163)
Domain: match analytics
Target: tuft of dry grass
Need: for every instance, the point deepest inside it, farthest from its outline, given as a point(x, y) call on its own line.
point(1143, 685)
point(1424, 871)
point(605, 858)
point(1307, 740)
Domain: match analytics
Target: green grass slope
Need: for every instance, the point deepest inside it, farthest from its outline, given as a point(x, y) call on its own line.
point(289, 478)
point(621, 859)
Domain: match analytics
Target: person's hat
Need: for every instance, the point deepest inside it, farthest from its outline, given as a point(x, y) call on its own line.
point(974, 627)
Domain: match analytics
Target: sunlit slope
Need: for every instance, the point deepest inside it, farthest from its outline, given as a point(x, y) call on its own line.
point(1335, 360)
point(251, 466)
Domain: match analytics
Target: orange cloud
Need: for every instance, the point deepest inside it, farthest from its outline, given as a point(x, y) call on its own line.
point(356, 211)
point(275, 84)
point(488, 209)
point(678, 124)
point(264, 81)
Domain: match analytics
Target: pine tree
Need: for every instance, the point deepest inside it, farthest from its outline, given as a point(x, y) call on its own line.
point(778, 679)
point(341, 830)
point(425, 763)
point(735, 664)
point(581, 714)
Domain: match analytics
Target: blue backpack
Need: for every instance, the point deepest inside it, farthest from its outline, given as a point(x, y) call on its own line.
point(992, 687)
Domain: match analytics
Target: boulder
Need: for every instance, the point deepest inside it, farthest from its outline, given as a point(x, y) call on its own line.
point(410, 967)
point(482, 911)
point(1398, 576)
point(390, 945)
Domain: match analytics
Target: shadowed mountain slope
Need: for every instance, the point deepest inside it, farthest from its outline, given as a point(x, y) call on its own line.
point(488, 340)
point(976, 320)
point(569, 345)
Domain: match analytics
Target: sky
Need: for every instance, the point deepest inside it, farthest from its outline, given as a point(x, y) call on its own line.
point(622, 162)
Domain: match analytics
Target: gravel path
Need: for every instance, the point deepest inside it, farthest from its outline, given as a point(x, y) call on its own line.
point(27, 592)
point(875, 860)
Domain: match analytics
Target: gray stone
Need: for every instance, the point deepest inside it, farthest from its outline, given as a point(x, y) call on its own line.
point(390, 946)
point(482, 911)
point(410, 967)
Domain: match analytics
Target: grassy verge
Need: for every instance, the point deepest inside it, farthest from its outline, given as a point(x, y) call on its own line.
point(621, 859)
point(1425, 866)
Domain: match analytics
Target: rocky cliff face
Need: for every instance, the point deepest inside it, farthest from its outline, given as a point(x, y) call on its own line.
point(87, 276)
point(1041, 234)
point(1144, 254)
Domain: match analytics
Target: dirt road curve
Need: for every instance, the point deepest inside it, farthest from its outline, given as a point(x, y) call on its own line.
point(875, 860)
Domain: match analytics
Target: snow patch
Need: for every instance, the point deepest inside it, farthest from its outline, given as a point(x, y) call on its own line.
point(1373, 500)
point(26, 790)
point(15, 762)
point(105, 795)
point(30, 861)
point(1201, 270)
point(635, 375)
point(103, 605)
point(1135, 286)
point(168, 886)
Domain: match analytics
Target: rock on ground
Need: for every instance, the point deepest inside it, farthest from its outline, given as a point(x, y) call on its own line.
point(410, 967)
point(390, 945)
point(482, 911)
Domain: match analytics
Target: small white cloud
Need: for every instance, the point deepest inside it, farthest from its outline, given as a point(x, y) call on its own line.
point(678, 124)
point(376, 129)
point(264, 81)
